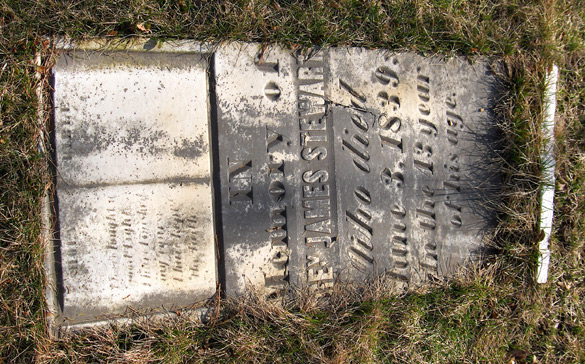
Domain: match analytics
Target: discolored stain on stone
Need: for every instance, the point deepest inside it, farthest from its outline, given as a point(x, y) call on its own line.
point(137, 118)
point(134, 187)
point(191, 149)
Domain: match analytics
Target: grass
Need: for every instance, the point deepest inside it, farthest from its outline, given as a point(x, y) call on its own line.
point(495, 313)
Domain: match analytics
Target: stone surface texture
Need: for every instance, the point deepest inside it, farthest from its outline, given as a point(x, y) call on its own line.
point(134, 191)
point(303, 168)
point(348, 163)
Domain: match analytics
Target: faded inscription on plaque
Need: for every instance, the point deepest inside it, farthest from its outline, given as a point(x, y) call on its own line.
point(133, 183)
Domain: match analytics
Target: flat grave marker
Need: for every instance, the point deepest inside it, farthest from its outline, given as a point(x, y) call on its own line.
point(254, 166)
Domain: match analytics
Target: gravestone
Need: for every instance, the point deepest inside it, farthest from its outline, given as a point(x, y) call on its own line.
point(270, 167)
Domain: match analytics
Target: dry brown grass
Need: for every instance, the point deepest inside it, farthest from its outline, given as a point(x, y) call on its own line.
point(492, 313)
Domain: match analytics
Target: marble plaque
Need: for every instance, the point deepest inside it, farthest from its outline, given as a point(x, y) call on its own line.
point(134, 184)
point(342, 164)
point(259, 167)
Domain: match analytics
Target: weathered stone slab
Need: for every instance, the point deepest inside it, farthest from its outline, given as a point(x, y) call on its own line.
point(134, 190)
point(258, 165)
point(127, 117)
point(414, 136)
point(142, 246)
point(343, 164)
point(337, 164)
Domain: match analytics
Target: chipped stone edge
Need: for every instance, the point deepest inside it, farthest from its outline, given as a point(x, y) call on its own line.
point(47, 238)
point(57, 330)
point(133, 44)
point(196, 315)
point(548, 161)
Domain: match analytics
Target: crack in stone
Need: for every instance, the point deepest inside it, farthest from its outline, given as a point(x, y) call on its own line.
point(352, 107)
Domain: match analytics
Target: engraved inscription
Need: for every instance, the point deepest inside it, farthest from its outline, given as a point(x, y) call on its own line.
point(399, 247)
point(454, 121)
point(425, 212)
point(360, 231)
point(319, 273)
point(452, 165)
point(358, 143)
point(424, 153)
point(427, 220)
point(317, 199)
point(122, 243)
point(277, 276)
point(272, 91)
point(363, 166)
point(452, 184)
point(265, 66)
point(393, 178)
point(388, 121)
point(240, 181)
